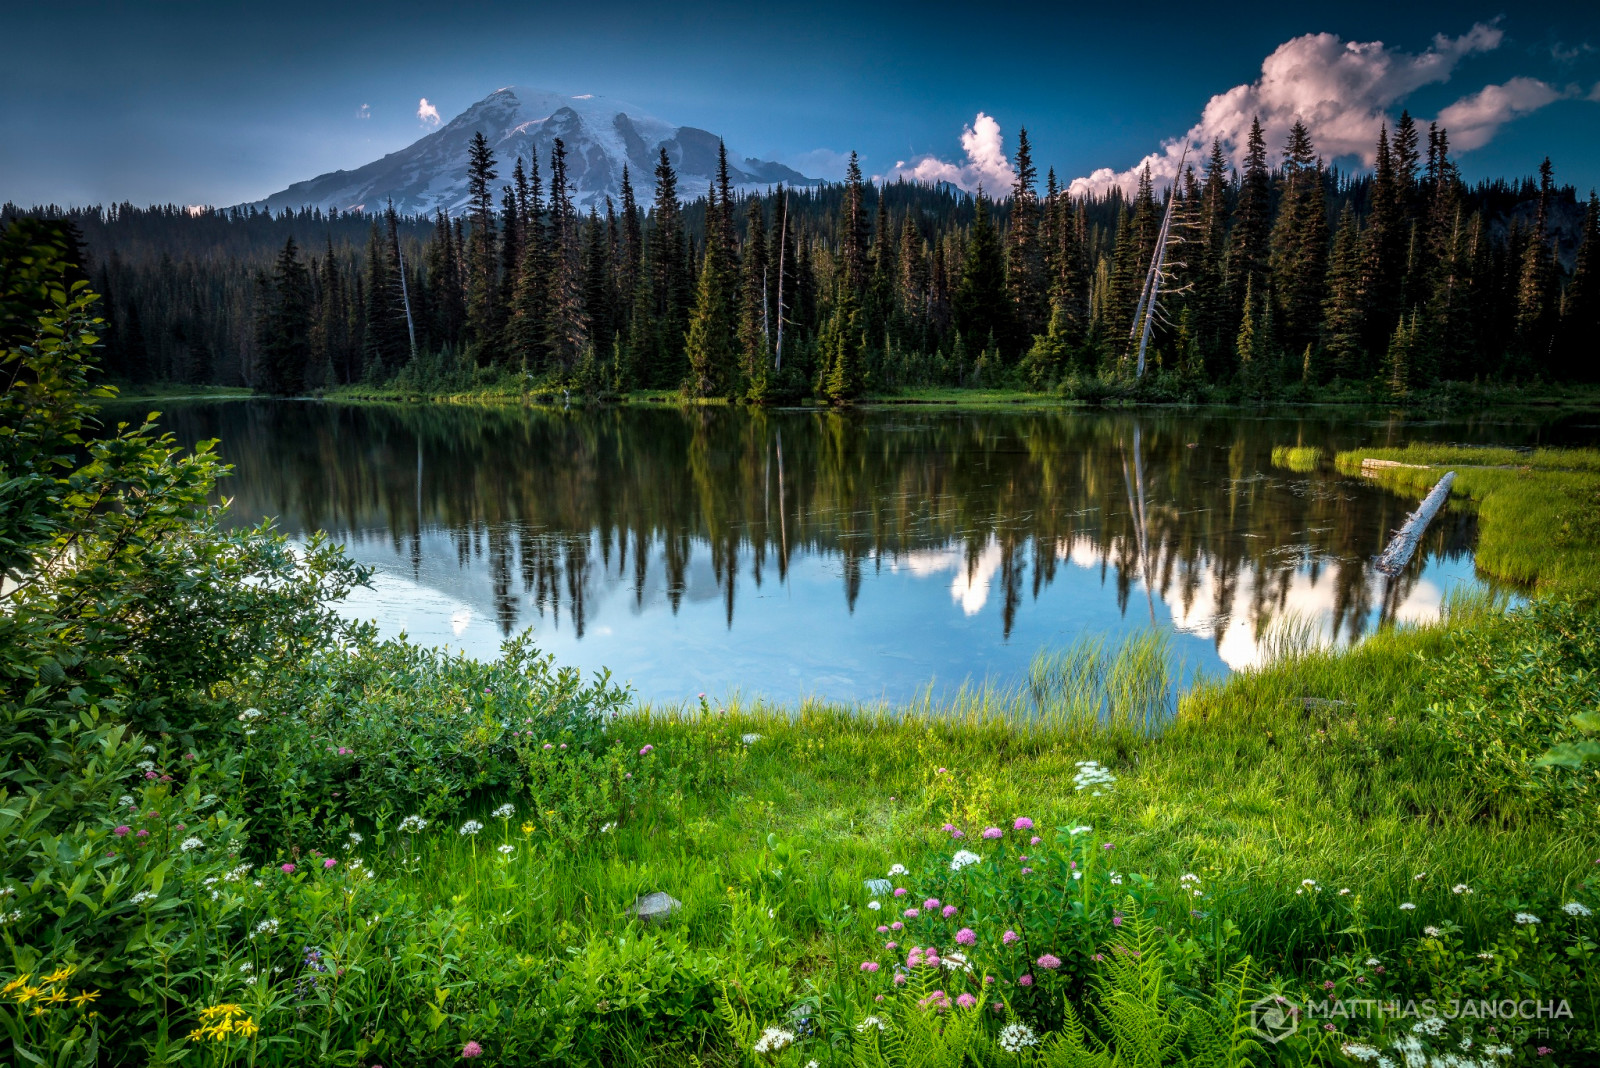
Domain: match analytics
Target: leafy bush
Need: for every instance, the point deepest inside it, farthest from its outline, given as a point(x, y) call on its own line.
point(1507, 691)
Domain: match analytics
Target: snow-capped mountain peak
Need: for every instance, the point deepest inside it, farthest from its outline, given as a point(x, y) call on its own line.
point(601, 135)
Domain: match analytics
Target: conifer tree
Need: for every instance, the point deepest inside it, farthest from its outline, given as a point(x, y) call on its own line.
point(1212, 316)
point(482, 282)
point(630, 260)
point(1385, 250)
point(284, 329)
point(755, 319)
point(1025, 281)
point(1250, 243)
point(666, 265)
point(1536, 282)
point(853, 228)
point(842, 347)
point(913, 260)
point(528, 325)
point(1300, 243)
point(710, 342)
point(1580, 305)
point(597, 285)
point(1342, 309)
point(979, 307)
point(568, 332)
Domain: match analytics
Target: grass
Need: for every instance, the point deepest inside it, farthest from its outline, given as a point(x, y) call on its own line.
point(1299, 458)
point(1539, 512)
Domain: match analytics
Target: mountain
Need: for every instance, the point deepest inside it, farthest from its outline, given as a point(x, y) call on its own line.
point(601, 135)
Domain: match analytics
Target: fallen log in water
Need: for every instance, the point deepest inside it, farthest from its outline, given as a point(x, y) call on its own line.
point(1398, 554)
point(1371, 462)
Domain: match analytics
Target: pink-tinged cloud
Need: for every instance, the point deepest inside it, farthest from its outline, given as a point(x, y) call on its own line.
point(1344, 91)
point(428, 114)
point(986, 163)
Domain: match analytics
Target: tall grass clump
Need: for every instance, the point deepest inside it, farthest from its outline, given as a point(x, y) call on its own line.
point(1298, 458)
point(1092, 685)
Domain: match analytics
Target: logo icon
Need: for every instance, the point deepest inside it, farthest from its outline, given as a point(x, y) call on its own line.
point(1274, 1018)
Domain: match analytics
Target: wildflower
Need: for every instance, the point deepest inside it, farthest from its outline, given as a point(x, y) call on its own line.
point(1574, 908)
point(891, 946)
point(949, 911)
point(1080, 829)
point(966, 1001)
point(287, 869)
point(1091, 774)
point(1035, 840)
point(607, 828)
point(1029, 871)
point(122, 831)
point(882, 929)
point(1009, 937)
point(869, 1023)
point(1025, 980)
point(548, 745)
point(1417, 878)
point(899, 891)
point(1360, 1051)
point(1526, 919)
point(993, 832)
point(931, 903)
point(470, 827)
point(329, 863)
point(190, 844)
point(1014, 1038)
point(773, 1039)
point(127, 801)
point(1406, 906)
point(869, 965)
point(1461, 888)
point(472, 1049)
point(874, 905)
point(962, 859)
point(1116, 919)
point(1486, 956)
point(1430, 1025)
point(1049, 962)
point(646, 751)
point(249, 714)
point(1022, 823)
point(1344, 891)
point(505, 811)
point(1116, 878)
point(910, 914)
point(899, 978)
point(527, 828)
point(141, 897)
point(966, 937)
point(896, 926)
point(895, 869)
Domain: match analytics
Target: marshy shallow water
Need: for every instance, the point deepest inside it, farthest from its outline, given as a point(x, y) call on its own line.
point(857, 556)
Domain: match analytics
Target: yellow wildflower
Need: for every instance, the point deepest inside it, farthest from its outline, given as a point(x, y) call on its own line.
point(15, 984)
point(83, 997)
point(27, 994)
point(60, 974)
point(55, 997)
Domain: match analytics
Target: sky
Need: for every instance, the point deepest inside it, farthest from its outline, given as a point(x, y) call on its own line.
point(205, 103)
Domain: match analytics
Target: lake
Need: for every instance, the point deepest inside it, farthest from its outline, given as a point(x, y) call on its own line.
point(860, 556)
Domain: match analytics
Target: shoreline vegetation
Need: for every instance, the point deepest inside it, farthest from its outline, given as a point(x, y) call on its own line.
point(239, 830)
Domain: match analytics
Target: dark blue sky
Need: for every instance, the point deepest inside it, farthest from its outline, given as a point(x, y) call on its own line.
point(217, 103)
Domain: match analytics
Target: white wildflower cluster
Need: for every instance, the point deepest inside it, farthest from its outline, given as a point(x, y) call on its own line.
point(1360, 1051)
point(1116, 878)
point(1091, 775)
point(141, 897)
point(265, 927)
point(896, 869)
point(1526, 919)
point(1461, 888)
point(963, 858)
point(607, 828)
point(10, 917)
point(869, 1023)
point(1408, 1050)
point(352, 840)
point(146, 765)
point(127, 801)
point(1433, 932)
point(249, 714)
point(505, 811)
point(505, 850)
point(470, 827)
point(1014, 1038)
point(874, 905)
point(1189, 883)
point(237, 874)
point(1407, 906)
point(148, 749)
point(1430, 1025)
point(413, 824)
point(1080, 829)
point(1421, 875)
point(1309, 885)
point(190, 844)
point(955, 962)
point(773, 1039)
point(1578, 909)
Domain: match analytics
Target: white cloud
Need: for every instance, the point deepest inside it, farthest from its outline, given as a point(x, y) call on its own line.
point(428, 113)
point(986, 163)
point(364, 111)
point(1473, 120)
point(1342, 90)
point(820, 163)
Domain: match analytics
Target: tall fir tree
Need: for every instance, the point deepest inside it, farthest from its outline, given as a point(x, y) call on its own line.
point(1580, 304)
point(568, 330)
point(284, 328)
point(711, 341)
point(1025, 279)
point(1342, 308)
point(1300, 243)
point(1536, 284)
point(1250, 242)
point(755, 319)
point(853, 228)
point(483, 312)
point(979, 307)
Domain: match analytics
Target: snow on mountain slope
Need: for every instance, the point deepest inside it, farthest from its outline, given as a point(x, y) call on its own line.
point(601, 136)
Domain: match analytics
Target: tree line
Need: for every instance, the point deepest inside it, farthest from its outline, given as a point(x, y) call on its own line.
point(1284, 273)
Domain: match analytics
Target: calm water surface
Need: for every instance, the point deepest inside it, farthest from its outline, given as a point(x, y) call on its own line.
point(857, 556)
